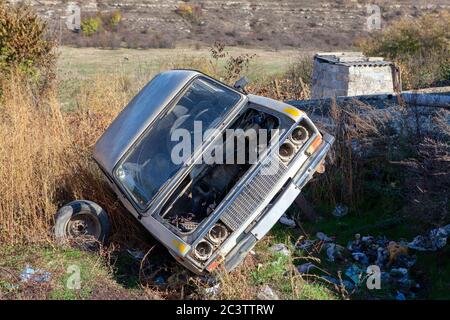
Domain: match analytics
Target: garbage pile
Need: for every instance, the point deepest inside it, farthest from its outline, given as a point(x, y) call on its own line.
point(366, 256)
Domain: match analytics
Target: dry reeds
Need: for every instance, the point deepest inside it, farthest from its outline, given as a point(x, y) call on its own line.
point(32, 143)
point(45, 156)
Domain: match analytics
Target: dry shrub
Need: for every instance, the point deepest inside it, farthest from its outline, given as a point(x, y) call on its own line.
point(190, 11)
point(25, 44)
point(420, 46)
point(354, 130)
point(294, 84)
point(428, 176)
point(237, 285)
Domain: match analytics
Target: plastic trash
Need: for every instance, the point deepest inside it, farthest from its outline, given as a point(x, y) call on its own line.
point(266, 293)
point(400, 296)
point(160, 280)
point(399, 273)
point(335, 252)
point(323, 237)
point(306, 267)
point(305, 244)
point(330, 252)
point(360, 257)
point(136, 254)
point(354, 273)
point(30, 274)
point(213, 291)
point(347, 284)
point(340, 211)
point(382, 257)
point(285, 220)
point(280, 248)
point(435, 240)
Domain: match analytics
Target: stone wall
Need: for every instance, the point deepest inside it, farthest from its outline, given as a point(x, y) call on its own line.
point(352, 79)
point(370, 80)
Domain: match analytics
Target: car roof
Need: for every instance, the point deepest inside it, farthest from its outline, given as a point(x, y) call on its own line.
point(136, 117)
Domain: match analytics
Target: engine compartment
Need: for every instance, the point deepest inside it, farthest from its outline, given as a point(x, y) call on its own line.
point(207, 185)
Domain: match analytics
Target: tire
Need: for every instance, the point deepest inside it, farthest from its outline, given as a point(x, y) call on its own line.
point(81, 219)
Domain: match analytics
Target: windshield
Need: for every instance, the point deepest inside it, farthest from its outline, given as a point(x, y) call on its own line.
point(149, 165)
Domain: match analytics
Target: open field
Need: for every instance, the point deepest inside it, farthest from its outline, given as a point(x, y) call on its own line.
point(84, 62)
point(81, 65)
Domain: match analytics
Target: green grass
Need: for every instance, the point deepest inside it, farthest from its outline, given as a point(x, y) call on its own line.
point(94, 271)
point(278, 270)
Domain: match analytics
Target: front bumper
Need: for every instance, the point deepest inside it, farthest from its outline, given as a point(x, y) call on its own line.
point(279, 206)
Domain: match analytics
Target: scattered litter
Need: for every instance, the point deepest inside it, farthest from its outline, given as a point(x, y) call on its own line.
point(213, 291)
point(347, 284)
point(435, 240)
point(399, 273)
point(330, 252)
point(340, 210)
point(305, 244)
point(160, 281)
point(306, 267)
point(354, 273)
point(136, 254)
point(360, 257)
point(280, 248)
point(266, 293)
point(287, 221)
point(37, 275)
point(323, 237)
point(395, 250)
point(393, 258)
point(400, 296)
point(335, 252)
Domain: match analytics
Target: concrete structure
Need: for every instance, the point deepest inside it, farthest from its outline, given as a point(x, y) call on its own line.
point(351, 74)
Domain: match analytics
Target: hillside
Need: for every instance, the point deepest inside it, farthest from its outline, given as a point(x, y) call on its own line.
point(307, 24)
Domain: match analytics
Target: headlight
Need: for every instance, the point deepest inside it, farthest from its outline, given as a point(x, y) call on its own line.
point(218, 233)
point(286, 151)
point(203, 250)
point(299, 135)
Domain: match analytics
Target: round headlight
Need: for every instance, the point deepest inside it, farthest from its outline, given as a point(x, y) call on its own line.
point(218, 233)
point(286, 151)
point(299, 135)
point(203, 250)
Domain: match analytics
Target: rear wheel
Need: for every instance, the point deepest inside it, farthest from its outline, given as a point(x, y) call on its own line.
point(81, 220)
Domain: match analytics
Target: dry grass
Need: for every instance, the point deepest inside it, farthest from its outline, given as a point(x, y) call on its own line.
point(354, 129)
point(45, 156)
point(32, 146)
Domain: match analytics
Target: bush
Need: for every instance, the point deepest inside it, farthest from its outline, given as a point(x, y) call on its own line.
point(191, 12)
point(111, 20)
point(115, 19)
point(23, 42)
point(91, 25)
point(421, 47)
point(294, 84)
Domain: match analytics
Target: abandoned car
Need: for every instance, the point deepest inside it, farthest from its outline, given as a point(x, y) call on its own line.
point(164, 158)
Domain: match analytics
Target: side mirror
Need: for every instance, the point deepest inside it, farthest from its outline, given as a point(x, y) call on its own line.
point(241, 83)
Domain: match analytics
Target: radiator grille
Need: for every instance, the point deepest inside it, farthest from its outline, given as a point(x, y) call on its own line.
point(253, 193)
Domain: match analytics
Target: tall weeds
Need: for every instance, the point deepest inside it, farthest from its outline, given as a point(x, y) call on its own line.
point(32, 144)
point(45, 156)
